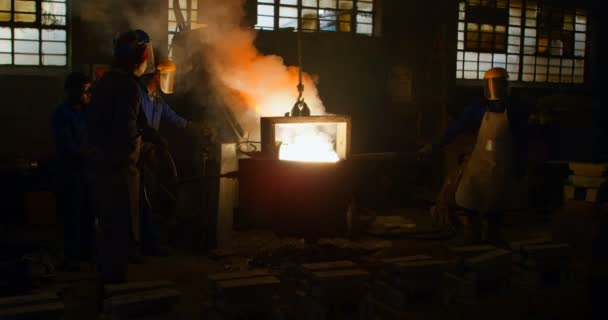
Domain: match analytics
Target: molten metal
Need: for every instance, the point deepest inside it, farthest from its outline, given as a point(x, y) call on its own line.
point(309, 147)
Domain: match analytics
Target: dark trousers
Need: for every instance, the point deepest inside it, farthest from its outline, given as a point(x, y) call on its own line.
point(77, 216)
point(113, 194)
point(150, 228)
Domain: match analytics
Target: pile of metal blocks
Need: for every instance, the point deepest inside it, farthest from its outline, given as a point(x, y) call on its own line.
point(150, 300)
point(587, 183)
point(409, 287)
point(543, 277)
point(243, 295)
point(331, 290)
point(32, 307)
point(481, 271)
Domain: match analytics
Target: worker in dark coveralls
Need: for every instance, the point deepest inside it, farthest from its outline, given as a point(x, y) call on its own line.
point(115, 128)
point(491, 181)
point(69, 131)
point(157, 111)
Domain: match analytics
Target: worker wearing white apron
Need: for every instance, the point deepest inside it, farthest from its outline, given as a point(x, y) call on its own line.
point(489, 184)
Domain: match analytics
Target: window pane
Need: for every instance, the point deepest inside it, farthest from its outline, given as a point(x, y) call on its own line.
point(50, 60)
point(364, 29)
point(470, 74)
point(24, 17)
point(5, 33)
point(265, 22)
point(288, 12)
point(345, 4)
point(470, 66)
point(289, 2)
point(328, 4)
point(6, 58)
point(5, 16)
point(309, 3)
point(265, 10)
point(365, 6)
point(27, 46)
point(25, 6)
point(364, 18)
point(288, 23)
point(580, 36)
point(53, 47)
point(51, 20)
point(6, 46)
point(485, 57)
point(54, 35)
point(27, 33)
point(53, 8)
point(514, 31)
point(26, 59)
point(5, 5)
point(266, 1)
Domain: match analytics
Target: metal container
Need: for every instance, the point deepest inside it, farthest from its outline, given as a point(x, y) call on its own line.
point(295, 198)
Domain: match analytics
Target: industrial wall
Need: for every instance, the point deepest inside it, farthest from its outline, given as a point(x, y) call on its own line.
point(399, 87)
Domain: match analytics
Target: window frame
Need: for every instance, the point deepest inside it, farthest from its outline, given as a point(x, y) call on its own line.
point(40, 67)
point(301, 7)
point(577, 75)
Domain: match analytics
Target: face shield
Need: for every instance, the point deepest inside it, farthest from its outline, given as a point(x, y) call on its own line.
point(495, 83)
point(166, 71)
point(496, 88)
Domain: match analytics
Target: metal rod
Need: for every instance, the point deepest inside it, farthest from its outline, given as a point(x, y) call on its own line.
point(300, 25)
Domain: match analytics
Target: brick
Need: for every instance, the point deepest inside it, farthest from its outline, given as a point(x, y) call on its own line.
point(586, 182)
point(518, 245)
point(406, 259)
point(131, 287)
point(28, 300)
point(52, 310)
point(342, 264)
point(143, 302)
point(470, 251)
point(589, 169)
point(581, 194)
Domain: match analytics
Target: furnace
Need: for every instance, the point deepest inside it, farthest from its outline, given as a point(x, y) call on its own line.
point(301, 183)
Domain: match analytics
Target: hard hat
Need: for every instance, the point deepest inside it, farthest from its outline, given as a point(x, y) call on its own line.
point(495, 84)
point(132, 48)
point(166, 70)
point(496, 73)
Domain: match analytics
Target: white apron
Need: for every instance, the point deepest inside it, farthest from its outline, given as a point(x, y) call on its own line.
point(488, 181)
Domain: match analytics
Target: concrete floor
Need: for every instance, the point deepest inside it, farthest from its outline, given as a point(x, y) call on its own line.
point(188, 269)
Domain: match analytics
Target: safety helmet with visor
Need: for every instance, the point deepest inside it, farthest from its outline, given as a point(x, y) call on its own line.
point(133, 49)
point(496, 86)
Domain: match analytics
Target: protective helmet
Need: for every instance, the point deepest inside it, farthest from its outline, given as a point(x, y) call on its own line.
point(166, 70)
point(496, 84)
point(132, 48)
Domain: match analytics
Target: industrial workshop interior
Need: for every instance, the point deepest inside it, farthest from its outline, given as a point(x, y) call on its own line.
point(303, 159)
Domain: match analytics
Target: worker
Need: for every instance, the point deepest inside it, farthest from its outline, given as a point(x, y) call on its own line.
point(491, 180)
point(115, 130)
point(156, 111)
point(69, 130)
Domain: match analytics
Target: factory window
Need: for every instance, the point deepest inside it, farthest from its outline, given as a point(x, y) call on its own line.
point(534, 41)
point(355, 16)
point(189, 12)
point(33, 33)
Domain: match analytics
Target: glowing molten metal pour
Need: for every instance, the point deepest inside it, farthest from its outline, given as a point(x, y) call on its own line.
point(308, 147)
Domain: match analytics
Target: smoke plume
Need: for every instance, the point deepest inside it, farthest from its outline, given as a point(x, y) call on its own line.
point(253, 85)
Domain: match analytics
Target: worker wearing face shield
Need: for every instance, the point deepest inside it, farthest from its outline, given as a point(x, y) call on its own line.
point(490, 182)
point(159, 172)
point(115, 128)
